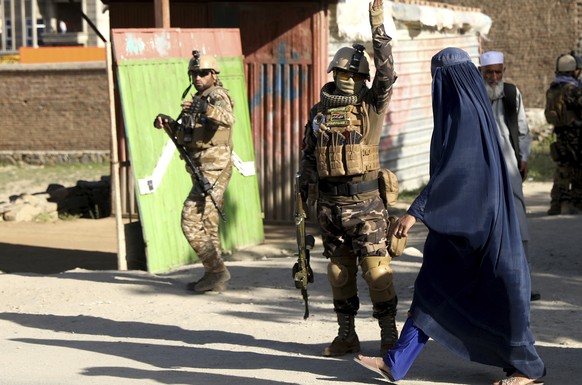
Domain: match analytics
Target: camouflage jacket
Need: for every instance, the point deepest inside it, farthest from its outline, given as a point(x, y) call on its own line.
point(211, 146)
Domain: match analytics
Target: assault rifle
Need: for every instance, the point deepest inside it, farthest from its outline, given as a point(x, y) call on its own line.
point(200, 178)
point(302, 273)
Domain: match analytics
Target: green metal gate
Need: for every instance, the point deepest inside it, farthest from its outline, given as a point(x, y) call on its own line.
point(148, 86)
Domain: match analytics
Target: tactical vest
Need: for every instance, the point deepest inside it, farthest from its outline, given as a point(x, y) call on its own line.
point(557, 112)
point(205, 134)
point(342, 145)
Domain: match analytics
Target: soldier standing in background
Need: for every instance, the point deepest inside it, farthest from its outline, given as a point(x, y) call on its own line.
point(564, 111)
point(205, 131)
point(509, 112)
point(340, 169)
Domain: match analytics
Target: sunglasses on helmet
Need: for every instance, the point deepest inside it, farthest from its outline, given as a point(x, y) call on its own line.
point(201, 73)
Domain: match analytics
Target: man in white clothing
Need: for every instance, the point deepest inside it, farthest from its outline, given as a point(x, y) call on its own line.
point(507, 105)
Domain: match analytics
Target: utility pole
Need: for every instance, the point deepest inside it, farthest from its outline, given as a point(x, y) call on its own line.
point(162, 13)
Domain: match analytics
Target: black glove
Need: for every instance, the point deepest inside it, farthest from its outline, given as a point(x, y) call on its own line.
point(164, 119)
point(199, 105)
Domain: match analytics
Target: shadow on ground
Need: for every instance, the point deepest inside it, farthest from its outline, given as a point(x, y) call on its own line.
point(46, 260)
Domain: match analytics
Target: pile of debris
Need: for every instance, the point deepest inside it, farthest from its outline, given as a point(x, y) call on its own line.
point(84, 200)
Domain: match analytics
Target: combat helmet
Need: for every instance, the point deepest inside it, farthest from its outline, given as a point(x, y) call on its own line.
point(566, 63)
point(202, 62)
point(353, 59)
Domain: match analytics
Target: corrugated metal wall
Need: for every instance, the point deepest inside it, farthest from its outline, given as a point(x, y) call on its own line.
point(405, 143)
point(284, 75)
point(279, 106)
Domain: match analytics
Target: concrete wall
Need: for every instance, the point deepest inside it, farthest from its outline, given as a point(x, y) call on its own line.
point(532, 34)
point(54, 108)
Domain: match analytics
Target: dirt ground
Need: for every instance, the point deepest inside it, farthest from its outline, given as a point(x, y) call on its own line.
point(68, 317)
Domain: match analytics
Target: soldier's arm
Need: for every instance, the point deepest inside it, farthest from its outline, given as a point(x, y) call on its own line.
point(220, 109)
point(308, 166)
point(385, 75)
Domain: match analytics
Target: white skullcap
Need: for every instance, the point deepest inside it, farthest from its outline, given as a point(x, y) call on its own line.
point(491, 58)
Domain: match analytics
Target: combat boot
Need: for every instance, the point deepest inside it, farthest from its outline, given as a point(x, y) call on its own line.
point(555, 209)
point(211, 282)
point(388, 330)
point(569, 209)
point(346, 341)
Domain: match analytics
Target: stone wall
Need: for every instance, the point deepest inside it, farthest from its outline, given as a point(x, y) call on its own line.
point(49, 158)
point(54, 108)
point(532, 34)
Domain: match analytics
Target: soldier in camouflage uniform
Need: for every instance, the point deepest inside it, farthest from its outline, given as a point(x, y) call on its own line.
point(340, 161)
point(206, 134)
point(564, 111)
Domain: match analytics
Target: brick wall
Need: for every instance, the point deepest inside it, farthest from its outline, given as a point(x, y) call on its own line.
point(54, 107)
point(532, 34)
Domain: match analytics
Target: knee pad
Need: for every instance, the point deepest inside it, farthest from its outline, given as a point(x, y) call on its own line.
point(342, 276)
point(337, 274)
point(377, 273)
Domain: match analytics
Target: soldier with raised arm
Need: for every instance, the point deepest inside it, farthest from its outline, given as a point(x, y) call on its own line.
point(340, 170)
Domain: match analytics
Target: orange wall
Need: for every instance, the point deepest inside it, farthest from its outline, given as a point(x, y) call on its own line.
point(30, 55)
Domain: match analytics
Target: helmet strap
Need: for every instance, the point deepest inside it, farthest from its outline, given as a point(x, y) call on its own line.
point(186, 91)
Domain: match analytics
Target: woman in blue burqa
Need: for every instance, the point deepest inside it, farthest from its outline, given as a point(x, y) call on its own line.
point(472, 293)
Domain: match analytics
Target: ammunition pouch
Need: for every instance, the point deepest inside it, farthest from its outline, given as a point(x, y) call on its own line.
point(183, 134)
point(204, 137)
point(344, 146)
point(396, 243)
point(336, 159)
point(388, 187)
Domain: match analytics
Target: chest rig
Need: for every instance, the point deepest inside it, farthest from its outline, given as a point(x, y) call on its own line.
point(199, 133)
point(342, 142)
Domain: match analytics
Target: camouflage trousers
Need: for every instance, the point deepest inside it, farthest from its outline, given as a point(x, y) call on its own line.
point(200, 219)
point(567, 186)
point(354, 235)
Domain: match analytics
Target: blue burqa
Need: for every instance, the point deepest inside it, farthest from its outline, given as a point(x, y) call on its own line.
point(472, 293)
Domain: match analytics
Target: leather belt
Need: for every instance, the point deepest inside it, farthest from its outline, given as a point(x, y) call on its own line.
point(347, 189)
